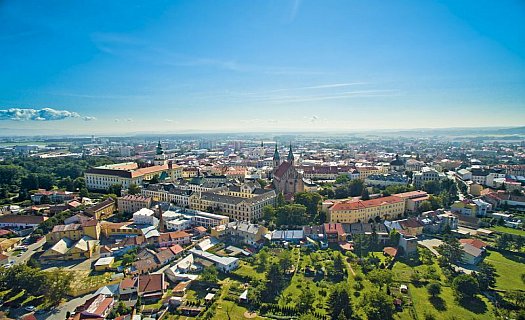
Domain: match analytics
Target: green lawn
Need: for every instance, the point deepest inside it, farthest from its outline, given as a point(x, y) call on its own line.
point(503, 229)
point(246, 270)
point(509, 268)
point(445, 306)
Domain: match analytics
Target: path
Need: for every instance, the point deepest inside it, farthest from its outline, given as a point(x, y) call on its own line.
point(60, 312)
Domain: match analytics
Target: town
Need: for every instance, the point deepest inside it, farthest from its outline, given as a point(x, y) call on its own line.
point(262, 226)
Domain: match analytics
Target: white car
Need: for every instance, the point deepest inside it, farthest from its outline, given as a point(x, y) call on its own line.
point(29, 308)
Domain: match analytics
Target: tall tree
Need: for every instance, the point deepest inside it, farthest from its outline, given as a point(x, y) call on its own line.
point(378, 305)
point(339, 302)
point(465, 286)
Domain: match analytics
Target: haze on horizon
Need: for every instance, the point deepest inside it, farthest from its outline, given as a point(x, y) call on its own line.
point(134, 66)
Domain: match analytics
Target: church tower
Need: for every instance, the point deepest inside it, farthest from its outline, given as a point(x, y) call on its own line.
point(160, 157)
point(276, 157)
point(290, 155)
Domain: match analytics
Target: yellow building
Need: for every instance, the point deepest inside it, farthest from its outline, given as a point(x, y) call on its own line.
point(74, 231)
point(102, 209)
point(104, 264)
point(68, 249)
point(365, 171)
point(364, 210)
point(109, 229)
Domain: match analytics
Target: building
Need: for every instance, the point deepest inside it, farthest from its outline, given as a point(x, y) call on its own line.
point(20, 221)
point(285, 177)
point(325, 172)
point(426, 174)
point(97, 307)
point(243, 202)
point(472, 208)
point(151, 287)
point(385, 180)
point(103, 209)
point(365, 171)
point(397, 164)
point(74, 231)
point(132, 203)
point(243, 232)
point(168, 192)
point(68, 249)
point(334, 232)
point(53, 196)
point(127, 173)
point(364, 210)
point(223, 264)
point(169, 239)
point(104, 264)
point(145, 216)
point(474, 250)
point(413, 199)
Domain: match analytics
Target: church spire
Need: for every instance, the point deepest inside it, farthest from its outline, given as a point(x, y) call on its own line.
point(159, 149)
point(276, 157)
point(290, 154)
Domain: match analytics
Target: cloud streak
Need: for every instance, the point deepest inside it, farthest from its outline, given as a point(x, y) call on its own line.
point(45, 114)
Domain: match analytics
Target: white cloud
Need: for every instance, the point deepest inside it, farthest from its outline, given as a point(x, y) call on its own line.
point(45, 114)
point(89, 118)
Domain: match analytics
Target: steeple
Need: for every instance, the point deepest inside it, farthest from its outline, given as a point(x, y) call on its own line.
point(160, 157)
point(276, 157)
point(159, 149)
point(290, 154)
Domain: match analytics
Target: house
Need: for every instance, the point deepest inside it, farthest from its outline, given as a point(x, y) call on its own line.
point(98, 307)
point(180, 288)
point(90, 228)
point(408, 243)
point(145, 216)
point(20, 221)
point(102, 209)
point(104, 264)
point(151, 286)
point(411, 226)
point(68, 249)
point(133, 203)
point(367, 230)
point(334, 232)
point(286, 235)
point(473, 250)
point(224, 264)
point(247, 233)
point(175, 237)
point(128, 287)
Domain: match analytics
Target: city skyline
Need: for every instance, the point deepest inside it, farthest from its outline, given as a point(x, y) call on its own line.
point(267, 66)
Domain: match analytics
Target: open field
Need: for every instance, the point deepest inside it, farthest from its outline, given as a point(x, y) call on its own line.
point(509, 268)
point(503, 229)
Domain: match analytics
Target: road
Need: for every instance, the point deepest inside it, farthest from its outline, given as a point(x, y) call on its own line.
point(60, 312)
point(26, 255)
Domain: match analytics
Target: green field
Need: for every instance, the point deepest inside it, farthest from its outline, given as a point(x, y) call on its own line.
point(509, 268)
point(518, 232)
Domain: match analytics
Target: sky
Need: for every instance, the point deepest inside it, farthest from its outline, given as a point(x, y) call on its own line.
point(97, 67)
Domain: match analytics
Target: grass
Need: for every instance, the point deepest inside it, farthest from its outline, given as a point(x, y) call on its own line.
point(509, 268)
point(248, 271)
point(508, 230)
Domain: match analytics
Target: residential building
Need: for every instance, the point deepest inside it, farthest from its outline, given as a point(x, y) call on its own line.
point(133, 203)
point(413, 199)
point(145, 216)
point(104, 264)
point(151, 287)
point(170, 238)
point(474, 251)
point(68, 249)
point(223, 264)
point(244, 232)
point(74, 231)
point(236, 203)
point(385, 180)
point(364, 210)
point(97, 307)
point(20, 221)
point(334, 232)
point(52, 196)
point(426, 174)
point(103, 209)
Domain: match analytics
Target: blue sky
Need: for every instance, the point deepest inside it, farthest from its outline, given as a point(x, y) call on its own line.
point(126, 66)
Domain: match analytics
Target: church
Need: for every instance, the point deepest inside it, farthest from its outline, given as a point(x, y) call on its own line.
point(286, 178)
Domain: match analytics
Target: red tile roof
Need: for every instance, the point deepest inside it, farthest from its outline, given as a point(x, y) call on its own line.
point(474, 242)
point(362, 204)
point(151, 283)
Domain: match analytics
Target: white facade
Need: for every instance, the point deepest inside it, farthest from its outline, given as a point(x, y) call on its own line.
point(145, 216)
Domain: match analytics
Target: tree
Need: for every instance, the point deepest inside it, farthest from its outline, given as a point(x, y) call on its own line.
point(434, 289)
point(285, 260)
point(274, 280)
point(451, 250)
point(57, 286)
point(291, 214)
point(465, 286)
point(155, 179)
point(280, 200)
point(84, 192)
point(339, 302)
point(129, 258)
point(262, 183)
point(310, 200)
point(209, 274)
point(381, 277)
point(425, 206)
point(268, 213)
point(394, 237)
point(115, 189)
point(486, 276)
point(133, 189)
point(365, 195)
point(378, 305)
point(306, 300)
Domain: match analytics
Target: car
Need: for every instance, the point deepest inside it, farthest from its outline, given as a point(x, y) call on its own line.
point(29, 308)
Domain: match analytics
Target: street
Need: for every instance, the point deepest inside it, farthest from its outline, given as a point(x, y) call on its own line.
point(26, 255)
